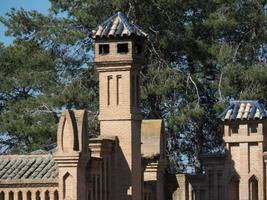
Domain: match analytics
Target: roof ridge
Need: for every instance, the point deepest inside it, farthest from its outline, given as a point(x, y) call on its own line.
point(25, 155)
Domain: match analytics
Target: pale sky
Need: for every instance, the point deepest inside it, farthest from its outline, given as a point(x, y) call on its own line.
point(5, 6)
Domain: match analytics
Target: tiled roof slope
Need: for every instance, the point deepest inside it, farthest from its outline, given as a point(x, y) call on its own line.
point(117, 26)
point(244, 110)
point(27, 167)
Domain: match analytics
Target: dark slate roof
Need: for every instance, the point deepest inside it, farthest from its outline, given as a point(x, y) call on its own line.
point(117, 26)
point(244, 110)
point(27, 167)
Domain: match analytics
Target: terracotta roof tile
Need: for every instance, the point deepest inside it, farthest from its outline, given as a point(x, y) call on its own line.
point(27, 167)
point(244, 110)
point(117, 26)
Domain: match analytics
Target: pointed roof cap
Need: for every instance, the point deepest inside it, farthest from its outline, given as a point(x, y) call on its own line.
point(244, 110)
point(117, 25)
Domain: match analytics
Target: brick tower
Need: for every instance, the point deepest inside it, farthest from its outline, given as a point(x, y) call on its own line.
point(119, 47)
point(245, 138)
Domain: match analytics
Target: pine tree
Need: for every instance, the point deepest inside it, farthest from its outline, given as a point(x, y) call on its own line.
point(200, 55)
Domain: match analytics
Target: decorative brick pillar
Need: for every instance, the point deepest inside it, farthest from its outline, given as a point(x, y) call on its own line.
point(72, 156)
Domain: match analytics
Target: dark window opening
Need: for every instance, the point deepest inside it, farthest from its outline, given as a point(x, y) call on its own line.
point(47, 197)
point(20, 195)
point(56, 195)
point(2, 196)
point(103, 49)
point(29, 195)
point(253, 189)
point(138, 48)
point(253, 128)
point(234, 129)
point(11, 195)
point(122, 48)
point(38, 195)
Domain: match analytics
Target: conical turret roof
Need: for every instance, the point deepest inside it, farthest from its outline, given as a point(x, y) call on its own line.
point(117, 25)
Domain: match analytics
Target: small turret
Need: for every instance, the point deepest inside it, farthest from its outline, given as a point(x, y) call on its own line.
point(243, 119)
point(245, 140)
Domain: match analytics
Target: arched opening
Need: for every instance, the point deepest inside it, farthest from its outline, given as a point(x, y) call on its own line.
point(38, 195)
point(68, 183)
point(11, 195)
point(253, 188)
point(234, 188)
point(29, 195)
point(20, 195)
point(47, 197)
point(2, 196)
point(56, 195)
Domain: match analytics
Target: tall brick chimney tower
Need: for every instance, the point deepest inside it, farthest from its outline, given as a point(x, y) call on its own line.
point(119, 53)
